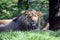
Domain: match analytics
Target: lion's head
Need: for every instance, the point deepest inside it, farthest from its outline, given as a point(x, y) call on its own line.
point(29, 18)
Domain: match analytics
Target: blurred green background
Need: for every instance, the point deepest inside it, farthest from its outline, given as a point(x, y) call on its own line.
point(9, 8)
point(12, 8)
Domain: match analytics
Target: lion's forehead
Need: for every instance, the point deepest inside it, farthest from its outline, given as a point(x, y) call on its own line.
point(31, 12)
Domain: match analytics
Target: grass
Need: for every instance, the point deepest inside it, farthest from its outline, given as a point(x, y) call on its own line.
point(20, 35)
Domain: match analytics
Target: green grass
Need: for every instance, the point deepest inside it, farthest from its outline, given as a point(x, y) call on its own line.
point(20, 35)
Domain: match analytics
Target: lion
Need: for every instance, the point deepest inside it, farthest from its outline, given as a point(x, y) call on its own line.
point(5, 21)
point(27, 20)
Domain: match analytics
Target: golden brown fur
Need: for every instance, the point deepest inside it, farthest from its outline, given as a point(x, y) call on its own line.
point(5, 21)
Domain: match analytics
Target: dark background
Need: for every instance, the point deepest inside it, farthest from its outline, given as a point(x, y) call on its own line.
point(54, 19)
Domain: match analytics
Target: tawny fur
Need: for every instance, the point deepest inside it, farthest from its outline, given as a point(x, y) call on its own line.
point(5, 21)
point(46, 27)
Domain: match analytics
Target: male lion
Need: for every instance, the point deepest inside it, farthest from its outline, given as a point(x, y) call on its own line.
point(28, 20)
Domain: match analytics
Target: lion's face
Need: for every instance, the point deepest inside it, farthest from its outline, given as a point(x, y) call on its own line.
point(28, 19)
point(32, 17)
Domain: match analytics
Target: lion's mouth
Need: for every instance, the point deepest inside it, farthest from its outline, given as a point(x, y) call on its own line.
point(33, 24)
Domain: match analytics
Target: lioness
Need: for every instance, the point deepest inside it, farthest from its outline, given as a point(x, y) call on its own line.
point(28, 20)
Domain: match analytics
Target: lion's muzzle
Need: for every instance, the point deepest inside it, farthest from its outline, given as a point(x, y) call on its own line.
point(33, 23)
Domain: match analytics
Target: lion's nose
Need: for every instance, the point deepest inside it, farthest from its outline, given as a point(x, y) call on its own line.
point(32, 21)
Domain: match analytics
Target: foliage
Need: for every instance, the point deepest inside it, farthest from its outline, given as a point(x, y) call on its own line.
point(39, 35)
point(9, 8)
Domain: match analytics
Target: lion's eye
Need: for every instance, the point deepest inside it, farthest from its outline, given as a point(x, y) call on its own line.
point(25, 14)
point(35, 15)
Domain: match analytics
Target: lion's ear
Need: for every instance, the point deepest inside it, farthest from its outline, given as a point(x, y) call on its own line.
point(15, 19)
point(38, 13)
point(26, 12)
point(23, 11)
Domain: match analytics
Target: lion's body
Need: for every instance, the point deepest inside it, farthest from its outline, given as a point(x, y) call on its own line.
point(9, 26)
point(5, 21)
point(23, 22)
